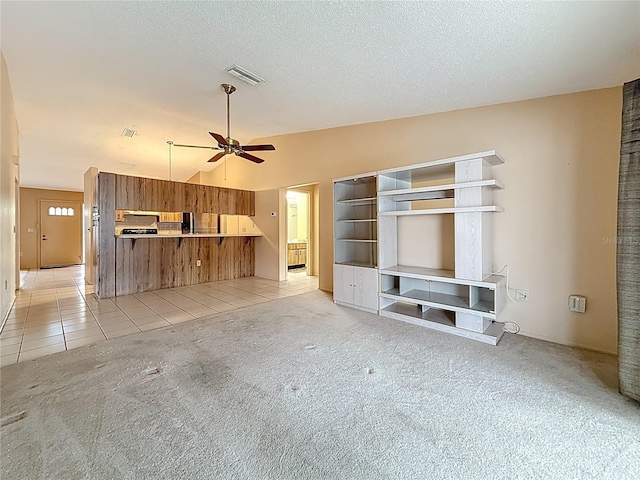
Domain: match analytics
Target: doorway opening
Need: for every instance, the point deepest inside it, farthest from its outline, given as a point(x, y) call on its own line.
point(301, 227)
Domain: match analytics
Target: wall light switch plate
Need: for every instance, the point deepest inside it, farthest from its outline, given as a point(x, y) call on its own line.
point(198, 263)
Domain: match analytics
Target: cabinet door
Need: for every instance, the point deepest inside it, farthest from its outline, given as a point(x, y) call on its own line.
point(292, 257)
point(365, 282)
point(343, 283)
point(302, 256)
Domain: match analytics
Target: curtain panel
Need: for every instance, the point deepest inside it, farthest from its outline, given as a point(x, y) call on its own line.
point(628, 244)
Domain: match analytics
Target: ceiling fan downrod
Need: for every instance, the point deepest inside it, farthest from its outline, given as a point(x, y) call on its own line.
point(228, 89)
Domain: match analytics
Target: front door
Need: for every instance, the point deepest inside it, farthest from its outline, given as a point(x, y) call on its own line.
point(60, 233)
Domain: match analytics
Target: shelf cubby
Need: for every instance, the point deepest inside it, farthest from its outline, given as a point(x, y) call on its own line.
point(440, 320)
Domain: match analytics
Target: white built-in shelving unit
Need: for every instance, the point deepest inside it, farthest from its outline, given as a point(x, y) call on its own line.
point(355, 277)
point(412, 284)
point(466, 300)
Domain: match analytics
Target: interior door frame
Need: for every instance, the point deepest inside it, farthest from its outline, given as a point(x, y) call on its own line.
point(16, 231)
point(80, 209)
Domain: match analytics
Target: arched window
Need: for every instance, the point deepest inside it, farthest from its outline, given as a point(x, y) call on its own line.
point(62, 211)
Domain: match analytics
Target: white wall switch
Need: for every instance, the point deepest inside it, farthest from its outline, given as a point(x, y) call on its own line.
point(522, 295)
point(577, 303)
point(198, 263)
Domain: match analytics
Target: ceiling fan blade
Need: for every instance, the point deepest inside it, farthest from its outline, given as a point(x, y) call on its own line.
point(217, 157)
point(196, 146)
point(257, 148)
point(249, 157)
point(219, 138)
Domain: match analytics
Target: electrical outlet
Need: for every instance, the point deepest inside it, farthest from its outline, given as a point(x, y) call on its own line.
point(198, 263)
point(522, 295)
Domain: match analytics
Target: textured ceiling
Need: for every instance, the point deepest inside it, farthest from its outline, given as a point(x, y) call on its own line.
point(81, 72)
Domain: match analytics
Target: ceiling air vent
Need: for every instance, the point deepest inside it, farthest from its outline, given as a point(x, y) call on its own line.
point(245, 75)
point(128, 133)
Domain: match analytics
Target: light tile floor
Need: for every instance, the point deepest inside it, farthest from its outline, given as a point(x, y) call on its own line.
point(55, 310)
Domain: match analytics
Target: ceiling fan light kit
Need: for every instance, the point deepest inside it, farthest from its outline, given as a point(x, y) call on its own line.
point(230, 145)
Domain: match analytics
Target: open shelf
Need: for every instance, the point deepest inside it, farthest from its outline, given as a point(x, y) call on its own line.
point(440, 211)
point(443, 301)
point(356, 221)
point(490, 156)
point(432, 315)
point(361, 220)
point(358, 201)
point(355, 240)
point(441, 321)
point(355, 263)
point(447, 276)
point(436, 191)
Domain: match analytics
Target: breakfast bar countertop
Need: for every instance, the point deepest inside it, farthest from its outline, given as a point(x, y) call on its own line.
point(187, 235)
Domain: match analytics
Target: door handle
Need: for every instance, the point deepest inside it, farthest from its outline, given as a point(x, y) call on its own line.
point(44, 237)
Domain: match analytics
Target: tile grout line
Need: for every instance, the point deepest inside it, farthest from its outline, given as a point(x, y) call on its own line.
point(26, 318)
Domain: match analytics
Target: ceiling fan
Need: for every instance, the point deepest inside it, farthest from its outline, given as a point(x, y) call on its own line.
point(230, 145)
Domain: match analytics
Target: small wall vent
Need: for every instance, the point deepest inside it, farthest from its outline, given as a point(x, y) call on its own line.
point(128, 133)
point(245, 75)
point(577, 303)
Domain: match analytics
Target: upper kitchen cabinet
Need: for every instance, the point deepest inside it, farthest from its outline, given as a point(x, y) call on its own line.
point(148, 194)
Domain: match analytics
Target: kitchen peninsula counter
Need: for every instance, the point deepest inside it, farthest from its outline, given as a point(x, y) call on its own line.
point(134, 263)
point(186, 235)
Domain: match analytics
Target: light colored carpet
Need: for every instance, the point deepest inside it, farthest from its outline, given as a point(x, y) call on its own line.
point(301, 388)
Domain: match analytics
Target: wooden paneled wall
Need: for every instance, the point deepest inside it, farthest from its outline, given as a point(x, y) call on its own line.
point(106, 272)
point(126, 267)
point(137, 193)
point(151, 263)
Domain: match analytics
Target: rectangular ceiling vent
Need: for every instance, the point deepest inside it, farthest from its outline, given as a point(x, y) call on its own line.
point(245, 75)
point(128, 133)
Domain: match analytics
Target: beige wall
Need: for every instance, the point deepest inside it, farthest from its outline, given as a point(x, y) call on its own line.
point(269, 258)
point(561, 171)
point(195, 178)
point(29, 227)
point(9, 174)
